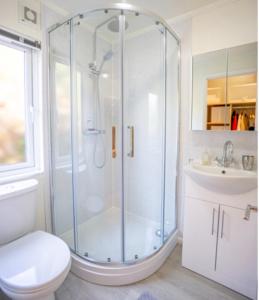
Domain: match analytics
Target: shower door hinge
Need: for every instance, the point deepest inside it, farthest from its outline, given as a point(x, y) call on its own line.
point(161, 30)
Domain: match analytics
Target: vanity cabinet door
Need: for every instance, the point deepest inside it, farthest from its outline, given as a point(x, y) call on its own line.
point(200, 236)
point(237, 251)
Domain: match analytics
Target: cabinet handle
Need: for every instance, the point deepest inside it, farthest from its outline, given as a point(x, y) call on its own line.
point(248, 210)
point(132, 146)
point(222, 224)
point(213, 216)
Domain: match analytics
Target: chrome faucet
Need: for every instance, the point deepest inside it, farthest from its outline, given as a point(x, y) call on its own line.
point(227, 157)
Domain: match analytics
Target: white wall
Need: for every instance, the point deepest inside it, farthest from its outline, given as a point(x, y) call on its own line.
point(144, 109)
point(95, 183)
point(208, 31)
point(229, 25)
point(9, 18)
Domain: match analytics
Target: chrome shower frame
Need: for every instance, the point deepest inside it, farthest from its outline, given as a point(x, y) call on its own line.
point(120, 7)
point(157, 20)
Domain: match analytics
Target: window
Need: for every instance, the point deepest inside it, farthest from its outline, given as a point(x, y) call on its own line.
point(16, 108)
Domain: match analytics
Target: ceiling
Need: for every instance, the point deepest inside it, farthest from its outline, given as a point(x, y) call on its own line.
point(165, 8)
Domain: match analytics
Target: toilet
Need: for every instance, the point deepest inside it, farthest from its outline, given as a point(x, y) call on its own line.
point(32, 264)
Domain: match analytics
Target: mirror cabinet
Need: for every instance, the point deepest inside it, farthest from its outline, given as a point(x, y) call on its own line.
point(224, 89)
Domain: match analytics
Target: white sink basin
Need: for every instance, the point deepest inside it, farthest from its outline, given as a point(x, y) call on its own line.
point(222, 180)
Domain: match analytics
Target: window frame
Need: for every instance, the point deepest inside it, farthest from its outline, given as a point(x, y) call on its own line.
point(31, 105)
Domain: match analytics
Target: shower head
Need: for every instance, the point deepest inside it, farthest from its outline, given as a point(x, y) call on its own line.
point(107, 56)
point(114, 25)
point(93, 66)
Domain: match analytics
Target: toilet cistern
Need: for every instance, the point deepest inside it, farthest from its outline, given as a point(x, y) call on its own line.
point(33, 264)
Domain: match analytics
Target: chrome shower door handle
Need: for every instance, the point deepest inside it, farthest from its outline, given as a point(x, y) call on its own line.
point(131, 141)
point(114, 152)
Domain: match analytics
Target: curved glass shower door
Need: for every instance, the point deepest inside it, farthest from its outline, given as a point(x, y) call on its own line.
point(61, 134)
point(97, 168)
point(114, 122)
point(144, 122)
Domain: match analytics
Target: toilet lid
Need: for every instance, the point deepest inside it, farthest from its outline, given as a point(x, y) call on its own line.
point(32, 261)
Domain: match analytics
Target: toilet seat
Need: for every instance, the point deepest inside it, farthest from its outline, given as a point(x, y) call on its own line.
point(34, 264)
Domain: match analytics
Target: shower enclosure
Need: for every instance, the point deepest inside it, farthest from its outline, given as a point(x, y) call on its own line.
point(114, 105)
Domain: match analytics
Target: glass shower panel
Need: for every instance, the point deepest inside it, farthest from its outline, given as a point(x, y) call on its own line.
point(62, 180)
point(143, 135)
point(97, 135)
point(171, 133)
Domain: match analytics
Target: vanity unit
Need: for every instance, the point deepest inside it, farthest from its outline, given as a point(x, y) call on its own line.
point(220, 226)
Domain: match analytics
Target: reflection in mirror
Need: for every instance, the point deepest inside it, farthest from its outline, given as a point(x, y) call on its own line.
point(207, 68)
point(242, 87)
point(224, 89)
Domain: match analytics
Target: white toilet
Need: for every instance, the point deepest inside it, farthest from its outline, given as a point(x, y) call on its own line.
point(32, 264)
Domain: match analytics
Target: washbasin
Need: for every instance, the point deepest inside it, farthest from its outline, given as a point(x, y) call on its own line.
point(222, 180)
